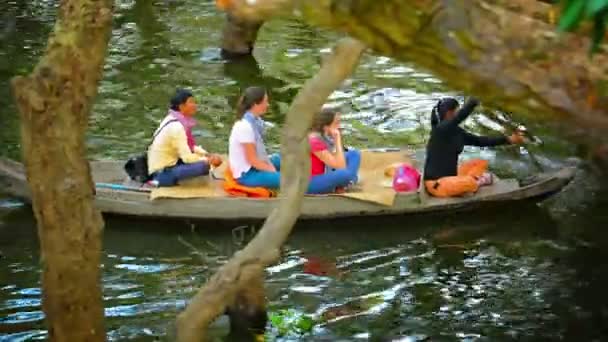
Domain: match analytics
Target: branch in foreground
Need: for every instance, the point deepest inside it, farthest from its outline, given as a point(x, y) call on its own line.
point(247, 266)
point(506, 52)
point(55, 102)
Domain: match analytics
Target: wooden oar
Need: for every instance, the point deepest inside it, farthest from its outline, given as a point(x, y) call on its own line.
point(516, 127)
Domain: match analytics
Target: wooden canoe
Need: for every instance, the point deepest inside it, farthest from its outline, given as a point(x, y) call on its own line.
point(137, 203)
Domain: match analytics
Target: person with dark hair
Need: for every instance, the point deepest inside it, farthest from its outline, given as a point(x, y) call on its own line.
point(173, 154)
point(442, 176)
point(331, 167)
point(248, 160)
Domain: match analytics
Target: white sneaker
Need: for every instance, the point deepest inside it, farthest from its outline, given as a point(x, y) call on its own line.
point(151, 184)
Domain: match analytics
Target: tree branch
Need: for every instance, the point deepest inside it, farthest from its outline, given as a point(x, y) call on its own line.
point(248, 264)
point(55, 102)
point(506, 52)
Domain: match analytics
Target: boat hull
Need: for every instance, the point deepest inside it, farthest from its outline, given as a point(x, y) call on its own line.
point(131, 203)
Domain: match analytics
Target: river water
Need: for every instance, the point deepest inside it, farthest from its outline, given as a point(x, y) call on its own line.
point(529, 272)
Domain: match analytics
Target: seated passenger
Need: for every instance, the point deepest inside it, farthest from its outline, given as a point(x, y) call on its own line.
point(173, 154)
point(442, 176)
point(248, 160)
point(331, 167)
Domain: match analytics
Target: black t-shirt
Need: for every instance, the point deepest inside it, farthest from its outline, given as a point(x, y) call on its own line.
point(447, 142)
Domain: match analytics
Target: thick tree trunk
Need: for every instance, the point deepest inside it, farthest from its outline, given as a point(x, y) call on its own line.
point(505, 51)
point(233, 280)
point(238, 36)
point(54, 103)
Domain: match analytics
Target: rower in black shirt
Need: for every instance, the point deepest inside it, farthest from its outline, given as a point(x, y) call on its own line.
point(443, 177)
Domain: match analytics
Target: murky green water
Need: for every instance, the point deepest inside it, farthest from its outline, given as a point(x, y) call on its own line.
point(517, 273)
point(521, 273)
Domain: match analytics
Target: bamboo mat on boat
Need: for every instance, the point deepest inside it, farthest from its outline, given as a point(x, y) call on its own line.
point(199, 187)
point(373, 185)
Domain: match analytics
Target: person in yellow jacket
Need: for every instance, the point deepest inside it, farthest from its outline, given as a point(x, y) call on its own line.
point(173, 154)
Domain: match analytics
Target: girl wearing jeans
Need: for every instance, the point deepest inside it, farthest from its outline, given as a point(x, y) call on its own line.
point(249, 162)
point(331, 167)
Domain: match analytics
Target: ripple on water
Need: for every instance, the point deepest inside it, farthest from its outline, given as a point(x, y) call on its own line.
point(150, 268)
point(130, 295)
point(135, 332)
point(18, 303)
point(24, 336)
point(407, 283)
point(21, 317)
point(111, 284)
point(288, 264)
point(21, 267)
point(33, 291)
point(11, 203)
point(145, 308)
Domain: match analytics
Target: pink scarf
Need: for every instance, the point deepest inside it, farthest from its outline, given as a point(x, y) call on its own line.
point(188, 123)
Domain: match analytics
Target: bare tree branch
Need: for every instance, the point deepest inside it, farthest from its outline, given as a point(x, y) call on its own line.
point(248, 264)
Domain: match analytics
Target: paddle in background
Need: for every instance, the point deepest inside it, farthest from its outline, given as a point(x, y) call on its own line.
point(529, 138)
point(507, 122)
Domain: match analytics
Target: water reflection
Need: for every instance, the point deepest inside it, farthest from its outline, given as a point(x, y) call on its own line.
point(505, 276)
point(245, 71)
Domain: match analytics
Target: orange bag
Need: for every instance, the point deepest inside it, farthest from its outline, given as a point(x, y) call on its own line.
point(235, 189)
point(473, 167)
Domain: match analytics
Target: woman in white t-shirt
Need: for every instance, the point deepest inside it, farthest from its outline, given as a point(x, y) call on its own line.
point(249, 162)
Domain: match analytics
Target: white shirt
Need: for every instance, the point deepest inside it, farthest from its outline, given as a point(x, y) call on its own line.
point(242, 133)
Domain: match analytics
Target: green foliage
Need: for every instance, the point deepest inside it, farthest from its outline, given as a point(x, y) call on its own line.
point(577, 11)
point(289, 322)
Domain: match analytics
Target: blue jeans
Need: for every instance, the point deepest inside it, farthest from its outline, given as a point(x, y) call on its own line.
point(170, 176)
point(264, 179)
point(329, 181)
